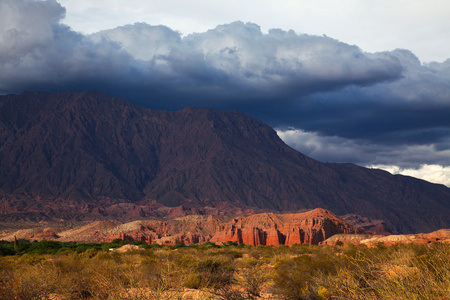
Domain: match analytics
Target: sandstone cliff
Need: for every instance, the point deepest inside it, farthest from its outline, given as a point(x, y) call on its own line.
point(283, 229)
point(271, 229)
point(310, 227)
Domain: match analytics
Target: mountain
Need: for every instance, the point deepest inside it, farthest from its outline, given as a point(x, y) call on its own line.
point(88, 155)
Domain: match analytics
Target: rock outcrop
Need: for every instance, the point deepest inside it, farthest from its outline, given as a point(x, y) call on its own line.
point(310, 227)
point(442, 235)
point(369, 225)
point(188, 230)
point(271, 229)
point(338, 239)
point(47, 234)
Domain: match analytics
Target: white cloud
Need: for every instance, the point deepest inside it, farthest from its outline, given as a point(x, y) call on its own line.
point(29, 29)
point(143, 41)
point(420, 26)
point(431, 173)
point(280, 60)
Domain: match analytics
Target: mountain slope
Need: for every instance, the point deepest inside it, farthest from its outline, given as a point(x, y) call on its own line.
point(75, 153)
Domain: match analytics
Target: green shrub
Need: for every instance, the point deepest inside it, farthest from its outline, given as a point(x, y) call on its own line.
point(215, 273)
point(254, 278)
point(5, 250)
point(207, 245)
point(179, 245)
point(192, 281)
point(230, 244)
point(293, 277)
point(339, 243)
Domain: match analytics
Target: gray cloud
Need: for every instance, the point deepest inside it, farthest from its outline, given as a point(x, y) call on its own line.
point(235, 61)
point(364, 152)
point(26, 25)
point(388, 100)
point(413, 109)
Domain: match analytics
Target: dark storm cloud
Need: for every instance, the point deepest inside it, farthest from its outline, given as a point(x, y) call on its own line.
point(413, 109)
point(313, 83)
point(365, 152)
point(230, 63)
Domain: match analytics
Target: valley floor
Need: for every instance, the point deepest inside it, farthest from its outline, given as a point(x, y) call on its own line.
point(53, 270)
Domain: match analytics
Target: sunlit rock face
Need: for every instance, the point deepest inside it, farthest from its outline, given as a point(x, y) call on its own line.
point(310, 227)
point(270, 229)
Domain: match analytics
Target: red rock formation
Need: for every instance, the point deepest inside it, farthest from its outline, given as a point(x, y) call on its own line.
point(259, 229)
point(316, 227)
point(47, 234)
point(188, 230)
point(310, 227)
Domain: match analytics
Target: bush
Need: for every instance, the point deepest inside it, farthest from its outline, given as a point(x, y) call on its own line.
point(192, 281)
point(5, 250)
point(298, 282)
point(254, 279)
point(230, 244)
point(22, 280)
point(207, 245)
point(179, 245)
point(215, 273)
point(45, 247)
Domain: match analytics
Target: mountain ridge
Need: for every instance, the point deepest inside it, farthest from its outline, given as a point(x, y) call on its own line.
point(89, 155)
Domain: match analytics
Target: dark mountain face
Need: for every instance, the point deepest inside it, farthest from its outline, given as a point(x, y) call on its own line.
point(74, 153)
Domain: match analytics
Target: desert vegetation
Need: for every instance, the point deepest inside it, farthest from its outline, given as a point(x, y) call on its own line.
point(55, 270)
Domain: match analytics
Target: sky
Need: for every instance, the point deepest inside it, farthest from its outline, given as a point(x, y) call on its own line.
point(366, 82)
